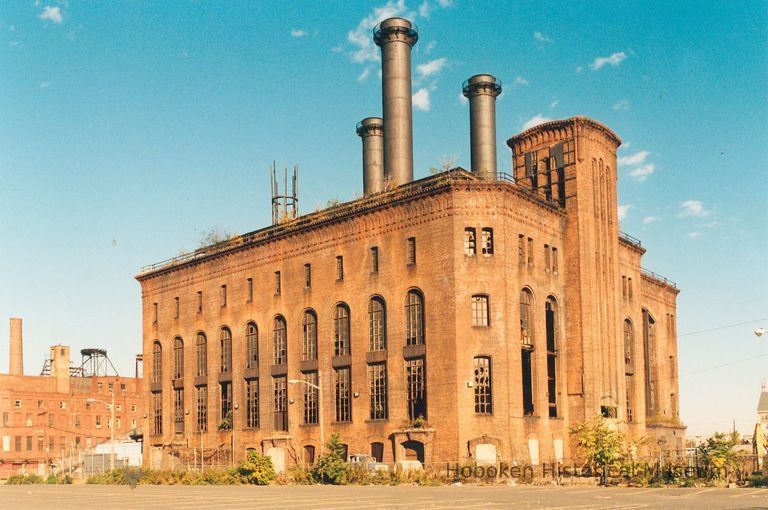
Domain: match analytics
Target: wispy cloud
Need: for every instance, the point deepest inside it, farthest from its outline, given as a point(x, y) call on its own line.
point(364, 75)
point(421, 99)
point(693, 235)
point(445, 4)
point(613, 60)
point(429, 47)
point(535, 121)
point(297, 32)
point(651, 219)
point(621, 105)
point(634, 159)
point(641, 173)
point(554, 103)
point(425, 9)
point(363, 48)
point(519, 80)
point(52, 14)
point(624, 211)
point(431, 68)
point(580, 69)
point(45, 84)
point(541, 37)
point(693, 208)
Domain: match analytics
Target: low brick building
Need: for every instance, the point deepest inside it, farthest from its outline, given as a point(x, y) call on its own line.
point(53, 416)
point(469, 315)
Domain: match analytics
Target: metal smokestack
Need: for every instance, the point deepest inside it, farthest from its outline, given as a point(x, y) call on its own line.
point(482, 90)
point(16, 363)
point(396, 37)
point(371, 130)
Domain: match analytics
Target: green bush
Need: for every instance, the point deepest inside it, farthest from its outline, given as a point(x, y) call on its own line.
point(599, 445)
point(332, 467)
point(257, 469)
point(24, 479)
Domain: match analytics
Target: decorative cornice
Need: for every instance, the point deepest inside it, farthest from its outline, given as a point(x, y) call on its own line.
point(570, 124)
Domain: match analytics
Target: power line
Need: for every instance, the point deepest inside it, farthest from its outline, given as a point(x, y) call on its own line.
point(723, 327)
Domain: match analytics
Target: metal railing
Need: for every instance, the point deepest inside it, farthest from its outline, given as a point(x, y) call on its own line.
point(655, 276)
point(630, 239)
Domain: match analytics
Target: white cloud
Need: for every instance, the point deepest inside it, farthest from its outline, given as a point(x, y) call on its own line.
point(361, 40)
point(364, 75)
point(624, 211)
point(621, 105)
point(425, 9)
point(421, 99)
point(634, 159)
point(641, 173)
point(445, 4)
point(45, 85)
point(535, 121)
point(580, 69)
point(541, 37)
point(429, 47)
point(52, 14)
point(462, 98)
point(431, 68)
point(297, 32)
point(651, 219)
point(520, 81)
point(693, 235)
point(614, 60)
point(554, 103)
point(693, 208)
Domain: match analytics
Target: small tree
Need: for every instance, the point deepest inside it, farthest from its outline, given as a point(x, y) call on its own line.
point(718, 453)
point(214, 235)
point(257, 469)
point(599, 445)
point(332, 467)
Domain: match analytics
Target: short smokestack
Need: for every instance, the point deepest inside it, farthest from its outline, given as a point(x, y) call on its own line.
point(396, 37)
point(16, 363)
point(482, 90)
point(371, 130)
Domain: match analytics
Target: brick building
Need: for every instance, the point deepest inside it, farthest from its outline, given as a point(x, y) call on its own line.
point(61, 412)
point(466, 315)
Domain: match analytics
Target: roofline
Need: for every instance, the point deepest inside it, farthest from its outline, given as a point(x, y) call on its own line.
point(561, 123)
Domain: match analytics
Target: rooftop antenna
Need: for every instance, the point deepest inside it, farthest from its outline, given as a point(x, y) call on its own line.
point(285, 207)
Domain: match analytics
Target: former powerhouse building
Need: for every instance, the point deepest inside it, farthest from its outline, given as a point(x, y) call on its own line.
point(466, 315)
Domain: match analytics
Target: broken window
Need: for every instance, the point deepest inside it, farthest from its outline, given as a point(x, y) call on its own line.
point(527, 342)
point(178, 358)
point(480, 314)
point(377, 326)
point(280, 342)
point(416, 388)
point(311, 397)
point(649, 344)
point(226, 350)
point(629, 381)
point(157, 362)
point(157, 413)
point(486, 240)
point(470, 241)
point(341, 330)
point(252, 403)
point(178, 410)
point(202, 408)
point(280, 402)
point(252, 345)
point(343, 397)
point(202, 354)
point(552, 354)
point(414, 318)
point(225, 410)
point(377, 382)
point(309, 336)
point(483, 385)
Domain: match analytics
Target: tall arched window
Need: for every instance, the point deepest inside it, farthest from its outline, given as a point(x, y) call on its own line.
point(252, 345)
point(377, 324)
point(527, 341)
point(341, 330)
point(226, 350)
point(552, 354)
point(201, 346)
point(629, 368)
point(309, 336)
point(279, 341)
point(178, 358)
point(649, 346)
point(157, 362)
point(414, 318)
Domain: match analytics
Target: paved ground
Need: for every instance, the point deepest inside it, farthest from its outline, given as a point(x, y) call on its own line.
point(321, 497)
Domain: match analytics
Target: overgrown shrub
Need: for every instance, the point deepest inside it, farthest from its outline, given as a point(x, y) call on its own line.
point(257, 469)
point(24, 479)
point(599, 445)
point(332, 467)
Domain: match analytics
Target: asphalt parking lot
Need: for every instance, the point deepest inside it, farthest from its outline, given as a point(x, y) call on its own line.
point(61, 497)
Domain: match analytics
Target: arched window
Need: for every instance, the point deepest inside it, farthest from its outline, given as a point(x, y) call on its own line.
point(527, 341)
point(551, 318)
point(279, 341)
point(201, 346)
point(341, 330)
point(309, 336)
point(226, 350)
point(157, 362)
point(252, 345)
point(414, 318)
point(178, 358)
point(629, 368)
point(377, 324)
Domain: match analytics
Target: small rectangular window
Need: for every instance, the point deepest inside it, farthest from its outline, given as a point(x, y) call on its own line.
point(374, 259)
point(521, 248)
point(277, 283)
point(629, 289)
point(154, 313)
point(624, 286)
point(554, 260)
point(199, 301)
point(530, 252)
point(223, 295)
point(411, 250)
point(547, 260)
point(480, 311)
point(470, 241)
point(487, 241)
point(307, 276)
point(176, 307)
point(249, 290)
point(339, 268)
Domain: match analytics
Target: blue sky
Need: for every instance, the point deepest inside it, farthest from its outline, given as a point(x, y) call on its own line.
point(128, 128)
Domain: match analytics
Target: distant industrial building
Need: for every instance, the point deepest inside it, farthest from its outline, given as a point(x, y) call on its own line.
point(49, 420)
